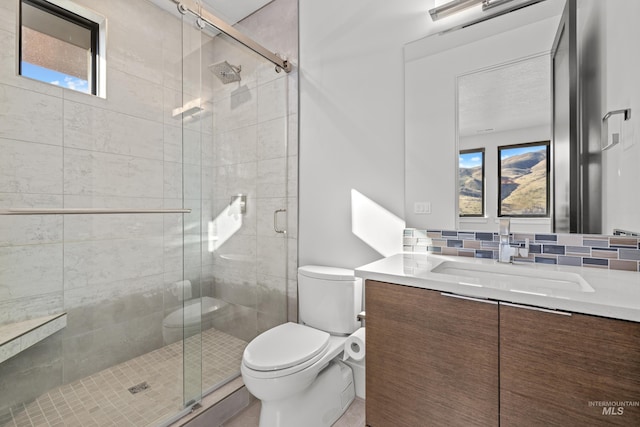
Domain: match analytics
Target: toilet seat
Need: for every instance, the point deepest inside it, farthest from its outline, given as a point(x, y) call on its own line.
point(285, 350)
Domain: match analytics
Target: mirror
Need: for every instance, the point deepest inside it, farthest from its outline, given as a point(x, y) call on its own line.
point(490, 85)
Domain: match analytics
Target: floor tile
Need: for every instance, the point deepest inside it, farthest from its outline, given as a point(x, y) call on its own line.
point(103, 399)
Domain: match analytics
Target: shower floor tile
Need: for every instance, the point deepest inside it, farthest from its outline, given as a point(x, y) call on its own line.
point(103, 399)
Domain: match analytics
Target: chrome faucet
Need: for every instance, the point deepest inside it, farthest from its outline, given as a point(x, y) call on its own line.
point(505, 251)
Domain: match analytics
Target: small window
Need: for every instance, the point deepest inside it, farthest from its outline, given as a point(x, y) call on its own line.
point(58, 46)
point(523, 174)
point(471, 183)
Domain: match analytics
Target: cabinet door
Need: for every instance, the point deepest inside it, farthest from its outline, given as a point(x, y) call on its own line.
point(561, 370)
point(432, 360)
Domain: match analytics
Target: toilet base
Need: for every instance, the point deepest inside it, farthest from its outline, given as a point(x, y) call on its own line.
point(359, 378)
point(320, 405)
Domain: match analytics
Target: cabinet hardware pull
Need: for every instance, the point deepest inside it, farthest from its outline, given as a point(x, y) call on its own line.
point(486, 301)
point(544, 310)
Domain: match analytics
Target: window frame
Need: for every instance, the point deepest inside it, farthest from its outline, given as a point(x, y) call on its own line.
point(484, 179)
point(547, 144)
point(60, 12)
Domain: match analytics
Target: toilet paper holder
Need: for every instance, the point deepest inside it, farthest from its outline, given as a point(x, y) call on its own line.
point(354, 346)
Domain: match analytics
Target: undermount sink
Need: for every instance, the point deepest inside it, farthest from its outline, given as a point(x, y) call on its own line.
point(515, 278)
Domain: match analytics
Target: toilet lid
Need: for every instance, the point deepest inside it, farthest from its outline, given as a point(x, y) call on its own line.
point(284, 346)
point(327, 273)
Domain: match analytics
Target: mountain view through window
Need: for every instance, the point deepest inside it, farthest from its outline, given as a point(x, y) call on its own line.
point(524, 180)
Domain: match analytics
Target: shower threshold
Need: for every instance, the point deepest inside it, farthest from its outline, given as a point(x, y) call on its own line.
point(104, 399)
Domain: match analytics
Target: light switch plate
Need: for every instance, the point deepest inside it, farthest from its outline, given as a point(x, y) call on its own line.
point(422, 208)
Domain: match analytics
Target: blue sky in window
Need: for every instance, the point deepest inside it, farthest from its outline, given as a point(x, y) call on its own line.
point(54, 77)
point(471, 160)
point(509, 152)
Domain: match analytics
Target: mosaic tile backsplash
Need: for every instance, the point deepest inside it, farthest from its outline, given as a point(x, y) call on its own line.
point(580, 250)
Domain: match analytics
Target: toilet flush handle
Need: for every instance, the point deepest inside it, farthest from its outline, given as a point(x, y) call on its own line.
point(275, 221)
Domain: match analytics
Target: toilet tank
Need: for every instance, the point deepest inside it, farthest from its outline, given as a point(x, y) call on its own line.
point(329, 298)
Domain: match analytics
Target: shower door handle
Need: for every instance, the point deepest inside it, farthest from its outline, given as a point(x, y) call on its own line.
point(275, 221)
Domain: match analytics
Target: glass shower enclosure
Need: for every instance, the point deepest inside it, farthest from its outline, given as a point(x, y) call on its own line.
point(142, 236)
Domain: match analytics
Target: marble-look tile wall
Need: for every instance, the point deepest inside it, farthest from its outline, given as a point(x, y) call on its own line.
point(114, 275)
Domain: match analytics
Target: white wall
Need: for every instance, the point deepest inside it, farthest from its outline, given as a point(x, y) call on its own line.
point(621, 171)
point(352, 124)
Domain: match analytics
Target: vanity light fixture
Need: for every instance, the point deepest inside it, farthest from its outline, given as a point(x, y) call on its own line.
point(490, 4)
point(492, 9)
point(452, 7)
point(511, 6)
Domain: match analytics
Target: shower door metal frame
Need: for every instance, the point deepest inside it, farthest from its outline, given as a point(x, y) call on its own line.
point(88, 211)
point(192, 7)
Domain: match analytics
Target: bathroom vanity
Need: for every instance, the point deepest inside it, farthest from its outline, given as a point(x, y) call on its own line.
point(447, 348)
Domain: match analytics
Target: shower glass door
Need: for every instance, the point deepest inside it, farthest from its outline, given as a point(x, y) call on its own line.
point(235, 131)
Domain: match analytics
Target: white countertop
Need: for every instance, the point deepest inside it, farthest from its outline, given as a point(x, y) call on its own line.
point(616, 293)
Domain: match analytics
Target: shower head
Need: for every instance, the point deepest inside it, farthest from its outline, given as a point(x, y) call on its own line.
point(226, 72)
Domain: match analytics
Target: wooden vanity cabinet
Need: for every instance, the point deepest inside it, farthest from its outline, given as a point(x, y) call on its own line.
point(436, 359)
point(553, 367)
point(432, 359)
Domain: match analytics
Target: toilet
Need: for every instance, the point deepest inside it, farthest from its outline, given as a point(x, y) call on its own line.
point(295, 368)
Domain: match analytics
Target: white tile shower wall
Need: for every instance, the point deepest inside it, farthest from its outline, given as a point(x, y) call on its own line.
point(96, 129)
point(21, 277)
point(30, 230)
point(30, 167)
point(66, 149)
point(18, 120)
